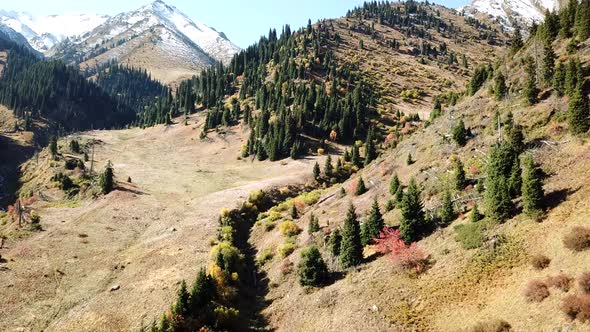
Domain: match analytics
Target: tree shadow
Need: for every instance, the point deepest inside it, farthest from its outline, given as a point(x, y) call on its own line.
point(556, 197)
point(131, 190)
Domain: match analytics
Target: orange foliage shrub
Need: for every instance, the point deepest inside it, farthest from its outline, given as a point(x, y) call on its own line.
point(536, 291)
point(577, 307)
point(406, 257)
point(578, 239)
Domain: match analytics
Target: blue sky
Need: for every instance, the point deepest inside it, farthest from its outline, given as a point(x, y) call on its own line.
point(242, 21)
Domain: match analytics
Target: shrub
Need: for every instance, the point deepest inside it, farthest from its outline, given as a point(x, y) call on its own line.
point(492, 326)
point(578, 239)
point(289, 228)
point(287, 248)
point(536, 291)
point(577, 307)
point(560, 281)
point(227, 318)
point(471, 235)
point(584, 282)
point(312, 269)
point(71, 164)
point(265, 256)
point(405, 257)
point(35, 221)
point(540, 262)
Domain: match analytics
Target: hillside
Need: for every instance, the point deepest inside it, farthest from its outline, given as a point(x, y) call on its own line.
point(144, 237)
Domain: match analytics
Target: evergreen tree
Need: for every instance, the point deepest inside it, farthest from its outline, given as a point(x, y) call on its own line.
point(447, 213)
point(314, 225)
point(530, 91)
point(412, 223)
point(409, 160)
point(107, 183)
point(475, 214)
point(460, 133)
point(203, 291)
point(515, 179)
point(294, 214)
point(582, 21)
point(312, 269)
point(356, 158)
point(360, 188)
point(497, 194)
point(459, 172)
point(374, 224)
point(579, 113)
point(515, 138)
point(532, 188)
point(328, 168)
point(516, 41)
point(370, 151)
point(53, 147)
point(500, 86)
point(399, 194)
point(559, 79)
point(181, 306)
point(316, 171)
point(394, 184)
point(351, 250)
point(335, 242)
point(548, 63)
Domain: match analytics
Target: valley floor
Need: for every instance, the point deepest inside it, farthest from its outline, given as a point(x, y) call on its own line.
point(115, 262)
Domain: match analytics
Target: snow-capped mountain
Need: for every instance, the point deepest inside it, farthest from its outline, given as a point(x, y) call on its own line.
point(9, 34)
point(44, 32)
point(512, 12)
point(157, 37)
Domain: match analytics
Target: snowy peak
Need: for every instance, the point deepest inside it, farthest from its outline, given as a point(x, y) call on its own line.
point(512, 12)
point(44, 32)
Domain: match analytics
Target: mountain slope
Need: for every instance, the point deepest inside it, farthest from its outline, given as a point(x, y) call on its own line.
point(512, 12)
point(157, 37)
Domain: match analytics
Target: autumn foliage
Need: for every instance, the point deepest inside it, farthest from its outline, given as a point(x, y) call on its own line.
point(406, 257)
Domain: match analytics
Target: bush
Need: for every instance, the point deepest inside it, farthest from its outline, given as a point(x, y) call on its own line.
point(289, 228)
point(536, 291)
point(578, 239)
point(405, 257)
point(577, 307)
point(471, 235)
point(584, 282)
point(265, 256)
point(560, 281)
point(286, 248)
point(492, 326)
point(540, 262)
point(312, 269)
point(71, 164)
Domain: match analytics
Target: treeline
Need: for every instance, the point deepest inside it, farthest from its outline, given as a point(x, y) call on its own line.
point(36, 88)
point(290, 85)
point(150, 100)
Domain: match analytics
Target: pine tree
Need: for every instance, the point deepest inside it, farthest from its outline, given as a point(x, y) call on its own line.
point(53, 147)
point(532, 188)
point(316, 171)
point(500, 86)
point(351, 250)
point(516, 41)
point(412, 223)
point(515, 179)
point(515, 137)
point(530, 90)
point(447, 213)
point(202, 292)
point(548, 63)
point(335, 242)
point(394, 184)
point(181, 306)
point(314, 225)
point(460, 133)
point(370, 151)
point(356, 158)
point(328, 168)
point(497, 194)
point(107, 182)
point(312, 269)
point(579, 113)
point(360, 188)
point(294, 214)
point(374, 224)
point(409, 160)
point(559, 79)
point(399, 194)
point(459, 172)
point(475, 214)
point(582, 22)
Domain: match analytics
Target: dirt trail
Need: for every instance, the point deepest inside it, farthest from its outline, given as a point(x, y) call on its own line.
point(142, 239)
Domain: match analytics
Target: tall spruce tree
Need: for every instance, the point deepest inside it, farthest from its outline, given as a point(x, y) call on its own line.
point(373, 225)
point(532, 188)
point(579, 112)
point(548, 67)
point(394, 184)
point(459, 133)
point(447, 212)
point(459, 174)
point(360, 188)
point(328, 167)
point(412, 223)
point(335, 242)
point(312, 269)
point(516, 41)
point(370, 150)
point(530, 90)
point(106, 181)
point(351, 250)
point(497, 194)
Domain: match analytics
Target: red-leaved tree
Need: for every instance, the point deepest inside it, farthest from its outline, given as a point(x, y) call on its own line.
point(406, 257)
